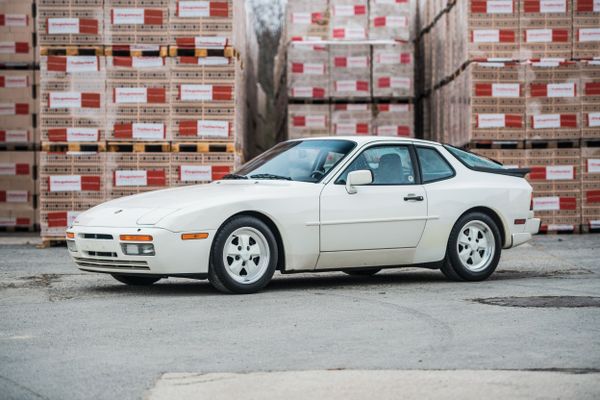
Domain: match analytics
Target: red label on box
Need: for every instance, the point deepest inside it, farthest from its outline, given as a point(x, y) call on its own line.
point(201, 9)
point(135, 16)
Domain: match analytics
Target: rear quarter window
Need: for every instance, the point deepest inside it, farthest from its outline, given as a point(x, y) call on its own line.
point(434, 166)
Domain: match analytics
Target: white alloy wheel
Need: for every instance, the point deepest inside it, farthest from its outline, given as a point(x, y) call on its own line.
point(246, 255)
point(476, 245)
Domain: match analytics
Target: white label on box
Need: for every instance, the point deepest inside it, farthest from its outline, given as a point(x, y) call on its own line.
point(538, 35)
point(127, 16)
point(596, 6)
point(131, 95)
point(147, 62)
point(594, 223)
point(510, 166)
point(131, 178)
point(345, 86)
point(399, 108)
point(545, 121)
point(82, 64)
point(148, 131)
point(189, 173)
point(213, 61)
point(65, 183)
point(357, 62)
point(313, 69)
point(561, 90)
point(589, 34)
point(193, 9)
point(144, 47)
point(357, 107)
point(63, 25)
point(195, 92)
point(302, 91)
point(354, 33)
point(594, 119)
point(506, 90)
point(553, 6)
point(301, 18)
point(8, 221)
point(345, 129)
point(389, 58)
point(499, 7)
point(64, 100)
point(82, 135)
point(486, 36)
point(387, 130)
point(15, 20)
point(213, 128)
point(397, 82)
point(546, 203)
point(210, 42)
point(7, 48)
point(8, 169)
point(7, 109)
point(343, 10)
point(16, 136)
point(560, 172)
point(17, 196)
point(593, 165)
point(396, 21)
point(15, 81)
point(491, 121)
point(315, 121)
point(560, 227)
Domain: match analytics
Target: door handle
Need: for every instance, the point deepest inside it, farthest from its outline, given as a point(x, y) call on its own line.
point(412, 197)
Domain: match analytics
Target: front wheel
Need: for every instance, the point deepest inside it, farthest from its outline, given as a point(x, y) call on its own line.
point(136, 280)
point(243, 257)
point(474, 248)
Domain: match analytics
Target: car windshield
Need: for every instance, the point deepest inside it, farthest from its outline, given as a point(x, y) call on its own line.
point(303, 161)
point(472, 160)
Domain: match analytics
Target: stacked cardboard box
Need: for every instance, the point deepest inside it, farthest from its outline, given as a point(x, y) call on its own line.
point(344, 57)
point(520, 81)
point(152, 98)
point(18, 133)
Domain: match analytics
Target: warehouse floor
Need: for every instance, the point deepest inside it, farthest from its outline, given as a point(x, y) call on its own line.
point(65, 334)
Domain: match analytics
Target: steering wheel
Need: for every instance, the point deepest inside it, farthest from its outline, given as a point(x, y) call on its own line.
point(317, 174)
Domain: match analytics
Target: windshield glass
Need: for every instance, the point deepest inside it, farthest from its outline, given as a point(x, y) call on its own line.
point(304, 161)
point(472, 160)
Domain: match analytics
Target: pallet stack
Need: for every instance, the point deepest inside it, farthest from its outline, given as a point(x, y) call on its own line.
point(18, 132)
point(136, 96)
point(350, 67)
point(521, 88)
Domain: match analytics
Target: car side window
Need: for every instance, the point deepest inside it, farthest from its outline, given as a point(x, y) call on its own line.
point(389, 164)
point(433, 165)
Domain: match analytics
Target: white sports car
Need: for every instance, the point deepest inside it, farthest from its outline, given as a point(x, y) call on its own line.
point(355, 204)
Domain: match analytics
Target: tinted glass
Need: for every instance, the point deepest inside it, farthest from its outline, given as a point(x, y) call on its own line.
point(305, 161)
point(472, 160)
point(433, 165)
point(390, 165)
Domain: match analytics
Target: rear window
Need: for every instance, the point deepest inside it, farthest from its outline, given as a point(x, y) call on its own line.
point(472, 160)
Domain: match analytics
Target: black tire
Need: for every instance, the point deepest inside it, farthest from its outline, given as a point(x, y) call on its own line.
point(217, 273)
point(453, 267)
point(136, 280)
point(361, 271)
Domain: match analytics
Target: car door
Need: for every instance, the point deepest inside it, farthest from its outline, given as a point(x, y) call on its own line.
point(389, 213)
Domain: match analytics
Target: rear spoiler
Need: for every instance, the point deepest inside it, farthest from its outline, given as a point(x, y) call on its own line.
point(518, 172)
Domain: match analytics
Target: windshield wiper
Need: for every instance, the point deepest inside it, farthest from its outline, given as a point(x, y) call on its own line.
point(234, 176)
point(270, 176)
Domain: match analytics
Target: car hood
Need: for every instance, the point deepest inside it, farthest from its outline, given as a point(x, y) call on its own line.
point(149, 208)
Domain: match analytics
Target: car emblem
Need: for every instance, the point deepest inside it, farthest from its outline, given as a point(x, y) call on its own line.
point(118, 211)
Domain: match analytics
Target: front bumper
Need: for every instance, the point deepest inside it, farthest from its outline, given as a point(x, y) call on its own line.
point(532, 226)
point(173, 256)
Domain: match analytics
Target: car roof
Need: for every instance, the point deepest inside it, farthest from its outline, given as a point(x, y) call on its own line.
point(363, 139)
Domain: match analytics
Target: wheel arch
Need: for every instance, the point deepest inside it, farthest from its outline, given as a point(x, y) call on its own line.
point(272, 226)
point(495, 216)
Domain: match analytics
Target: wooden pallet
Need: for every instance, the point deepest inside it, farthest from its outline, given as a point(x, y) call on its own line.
point(586, 228)
point(73, 146)
point(16, 229)
point(138, 147)
point(206, 147)
point(553, 144)
point(72, 51)
point(18, 146)
point(176, 51)
point(496, 144)
point(590, 143)
point(114, 51)
point(51, 241)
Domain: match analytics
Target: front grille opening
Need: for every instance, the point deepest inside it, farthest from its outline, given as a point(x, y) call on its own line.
point(101, 253)
point(99, 236)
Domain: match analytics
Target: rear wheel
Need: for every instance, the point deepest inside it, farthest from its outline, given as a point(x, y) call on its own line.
point(136, 280)
point(243, 256)
point(474, 248)
point(362, 271)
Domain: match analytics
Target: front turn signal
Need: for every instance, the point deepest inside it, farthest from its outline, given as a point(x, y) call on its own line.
point(194, 236)
point(70, 235)
point(135, 238)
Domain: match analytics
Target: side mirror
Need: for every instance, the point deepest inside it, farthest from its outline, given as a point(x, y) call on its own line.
point(358, 178)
